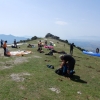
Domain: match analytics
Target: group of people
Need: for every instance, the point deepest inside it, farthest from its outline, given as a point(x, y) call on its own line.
point(4, 46)
point(67, 61)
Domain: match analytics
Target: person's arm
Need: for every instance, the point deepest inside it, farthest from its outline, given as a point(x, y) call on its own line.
point(62, 64)
point(6, 45)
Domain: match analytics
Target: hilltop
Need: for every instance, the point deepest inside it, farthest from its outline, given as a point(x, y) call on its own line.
point(82, 44)
point(28, 77)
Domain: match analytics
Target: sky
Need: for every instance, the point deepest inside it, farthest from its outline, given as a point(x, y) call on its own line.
point(68, 19)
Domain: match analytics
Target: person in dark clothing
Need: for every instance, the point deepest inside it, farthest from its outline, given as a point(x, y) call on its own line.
point(1, 42)
point(54, 51)
point(15, 43)
point(70, 62)
point(4, 47)
point(51, 52)
point(97, 50)
point(71, 48)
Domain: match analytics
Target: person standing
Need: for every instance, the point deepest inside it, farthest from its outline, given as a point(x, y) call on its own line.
point(97, 50)
point(5, 47)
point(15, 43)
point(71, 48)
point(46, 42)
point(1, 42)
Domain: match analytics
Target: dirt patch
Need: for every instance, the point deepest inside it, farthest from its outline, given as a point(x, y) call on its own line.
point(1, 52)
point(55, 90)
point(11, 63)
point(79, 92)
point(37, 57)
point(22, 87)
point(19, 77)
point(6, 67)
point(1, 63)
point(20, 60)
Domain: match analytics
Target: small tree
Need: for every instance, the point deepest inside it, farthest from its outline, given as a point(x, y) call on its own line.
point(34, 38)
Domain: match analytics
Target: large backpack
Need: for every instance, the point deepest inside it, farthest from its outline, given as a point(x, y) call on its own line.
point(59, 71)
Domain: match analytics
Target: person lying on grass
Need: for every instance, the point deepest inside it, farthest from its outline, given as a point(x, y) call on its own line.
point(54, 51)
point(30, 46)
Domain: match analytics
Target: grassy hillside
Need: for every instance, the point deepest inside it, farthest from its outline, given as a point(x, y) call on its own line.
point(28, 78)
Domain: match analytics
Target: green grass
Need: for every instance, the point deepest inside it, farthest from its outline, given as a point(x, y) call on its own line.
point(36, 85)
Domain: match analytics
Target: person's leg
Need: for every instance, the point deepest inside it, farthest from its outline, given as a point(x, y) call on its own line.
point(4, 51)
point(64, 70)
point(71, 68)
point(73, 65)
point(70, 51)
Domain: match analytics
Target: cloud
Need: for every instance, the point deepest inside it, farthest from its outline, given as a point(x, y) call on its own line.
point(61, 23)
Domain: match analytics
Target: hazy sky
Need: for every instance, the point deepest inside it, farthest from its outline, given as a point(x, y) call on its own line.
point(64, 18)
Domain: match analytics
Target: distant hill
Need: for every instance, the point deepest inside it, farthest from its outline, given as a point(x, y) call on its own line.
point(10, 38)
